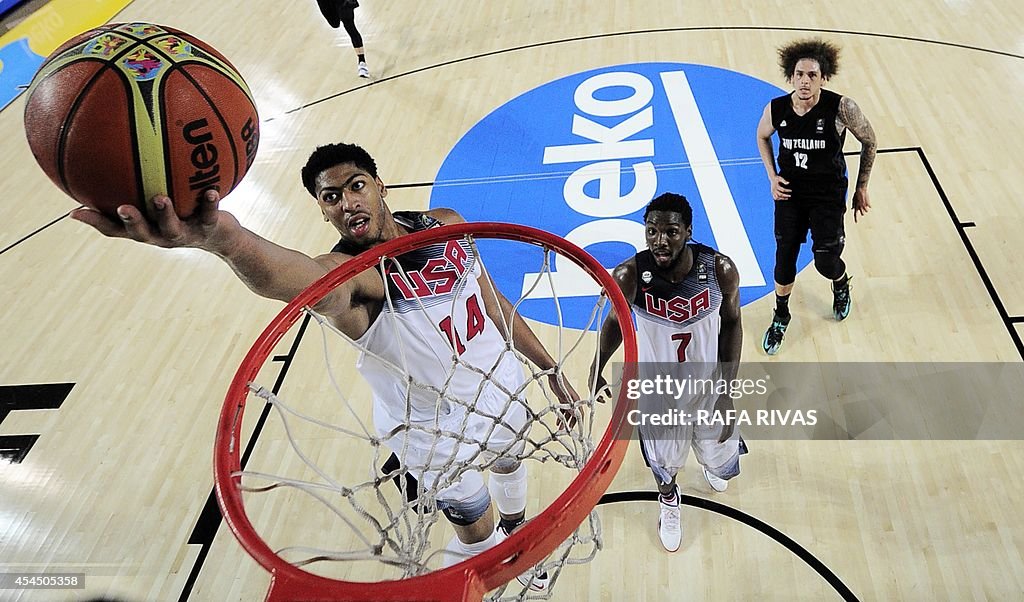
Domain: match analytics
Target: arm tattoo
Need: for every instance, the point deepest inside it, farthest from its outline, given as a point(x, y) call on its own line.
point(856, 122)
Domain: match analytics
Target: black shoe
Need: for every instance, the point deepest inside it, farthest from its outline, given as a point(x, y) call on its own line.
point(775, 333)
point(841, 301)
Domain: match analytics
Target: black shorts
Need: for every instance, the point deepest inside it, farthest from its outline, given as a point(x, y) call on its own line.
point(821, 214)
point(332, 10)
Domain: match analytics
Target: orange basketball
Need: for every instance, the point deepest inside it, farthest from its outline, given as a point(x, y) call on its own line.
point(126, 111)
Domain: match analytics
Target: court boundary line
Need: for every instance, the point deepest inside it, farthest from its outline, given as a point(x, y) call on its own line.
point(961, 229)
point(34, 232)
point(749, 520)
point(614, 34)
point(204, 532)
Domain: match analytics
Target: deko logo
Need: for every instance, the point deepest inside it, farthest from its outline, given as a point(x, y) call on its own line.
point(583, 155)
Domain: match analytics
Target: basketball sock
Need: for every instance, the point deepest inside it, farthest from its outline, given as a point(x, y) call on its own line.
point(459, 551)
point(782, 306)
point(362, 58)
point(670, 499)
point(509, 491)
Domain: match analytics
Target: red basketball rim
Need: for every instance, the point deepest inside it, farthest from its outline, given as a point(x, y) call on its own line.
point(472, 578)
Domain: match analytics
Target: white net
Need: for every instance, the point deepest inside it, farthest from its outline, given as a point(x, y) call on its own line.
point(365, 443)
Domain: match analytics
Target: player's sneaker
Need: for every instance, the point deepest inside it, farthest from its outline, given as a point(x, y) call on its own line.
point(716, 483)
point(532, 580)
point(841, 301)
point(363, 70)
point(670, 527)
point(775, 333)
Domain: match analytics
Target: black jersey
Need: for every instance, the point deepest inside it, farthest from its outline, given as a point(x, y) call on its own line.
point(810, 149)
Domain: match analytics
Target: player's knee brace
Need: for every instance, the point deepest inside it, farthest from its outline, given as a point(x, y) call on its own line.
point(509, 490)
point(786, 253)
point(468, 511)
point(828, 260)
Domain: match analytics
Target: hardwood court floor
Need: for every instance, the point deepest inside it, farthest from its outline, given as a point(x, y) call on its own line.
point(116, 484)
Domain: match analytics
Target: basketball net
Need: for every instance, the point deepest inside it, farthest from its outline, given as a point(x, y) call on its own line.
point(351, 494)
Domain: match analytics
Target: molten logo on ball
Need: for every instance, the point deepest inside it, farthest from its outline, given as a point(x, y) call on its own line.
point(174, 115)
point(204, 158)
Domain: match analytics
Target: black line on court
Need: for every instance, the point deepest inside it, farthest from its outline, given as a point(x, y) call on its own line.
point(597, 37)
point(617, 34)
point(781, 538)
point(48, 396)
point(14, 448)
point(412, 185)
point(33, 233)
point(961, 229)
point(210, 517)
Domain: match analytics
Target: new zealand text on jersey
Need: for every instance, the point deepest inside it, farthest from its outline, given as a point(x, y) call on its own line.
point(803, 143)
point(438, 276)
point(678, 309)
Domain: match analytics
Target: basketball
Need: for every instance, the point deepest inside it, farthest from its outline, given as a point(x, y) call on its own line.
point(126, 111)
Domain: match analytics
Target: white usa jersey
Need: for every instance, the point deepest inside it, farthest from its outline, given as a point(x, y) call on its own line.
point(678, 321)
point(434, 308)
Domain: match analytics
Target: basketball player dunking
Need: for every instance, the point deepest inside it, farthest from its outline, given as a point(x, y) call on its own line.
point(687, 306)
point(343, 179)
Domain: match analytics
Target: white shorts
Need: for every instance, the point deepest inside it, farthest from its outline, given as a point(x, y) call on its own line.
point(665, 449)
point(451, 463)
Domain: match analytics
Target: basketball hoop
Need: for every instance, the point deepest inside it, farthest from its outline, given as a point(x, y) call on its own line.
point(472, 578)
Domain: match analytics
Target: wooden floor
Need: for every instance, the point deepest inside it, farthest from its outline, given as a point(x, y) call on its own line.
point(117, 482)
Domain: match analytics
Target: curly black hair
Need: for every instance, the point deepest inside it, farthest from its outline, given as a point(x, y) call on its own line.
point(672, 203)
point(826, 53)
point(329, 155)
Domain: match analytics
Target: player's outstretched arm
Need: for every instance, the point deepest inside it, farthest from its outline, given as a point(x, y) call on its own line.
point(611, 331)
point(270, 270)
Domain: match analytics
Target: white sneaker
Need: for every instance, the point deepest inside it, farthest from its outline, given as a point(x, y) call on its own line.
point(363, 70)
point(533, 580)
point(669, 526)
point(716, 483)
